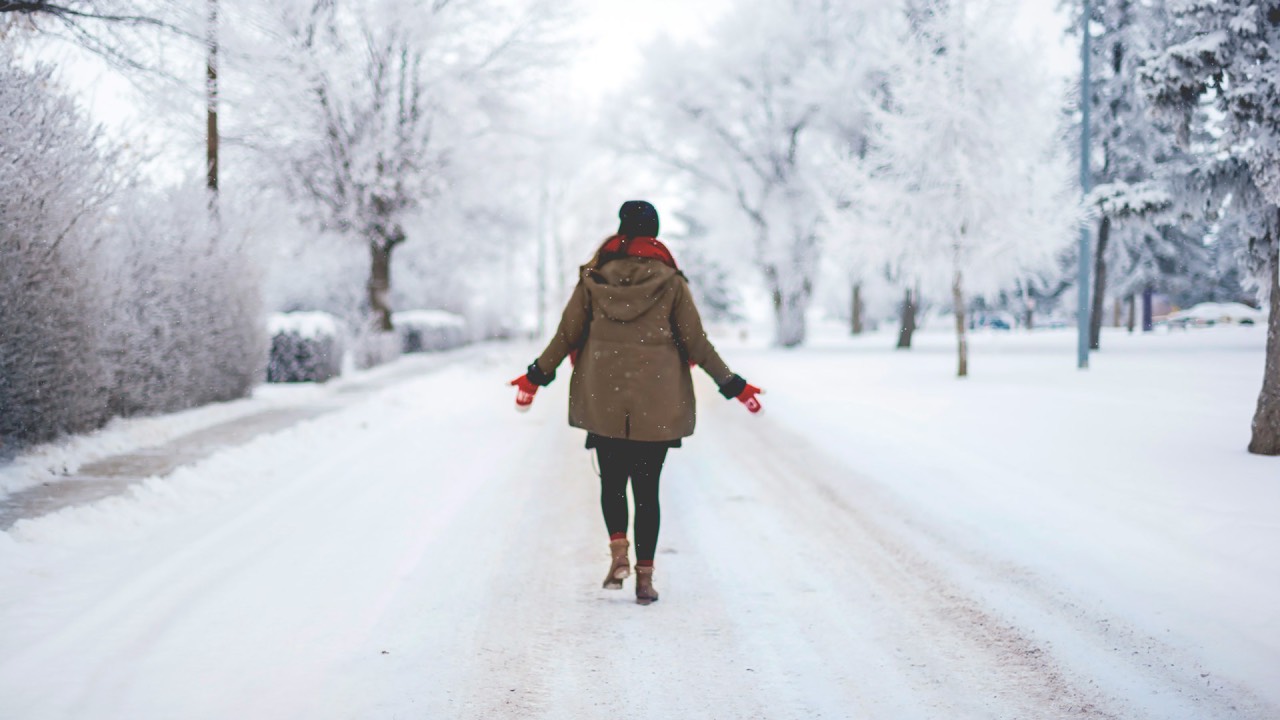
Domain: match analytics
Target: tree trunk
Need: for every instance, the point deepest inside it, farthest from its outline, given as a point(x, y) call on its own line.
point(1099, 284)
point(789, 309)
point(1133, 306)
point(857, 309)
point(380, 285)
point(1147, 323)
point(1266, 421)
point(962, 339)
point(1117, 311)
point(908, 320)
point(211, 109)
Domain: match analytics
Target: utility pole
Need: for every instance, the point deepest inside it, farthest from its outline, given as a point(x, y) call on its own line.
point(211, 100)
point(1083, 306)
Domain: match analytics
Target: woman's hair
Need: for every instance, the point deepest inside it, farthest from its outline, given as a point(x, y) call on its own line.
point(600, 257)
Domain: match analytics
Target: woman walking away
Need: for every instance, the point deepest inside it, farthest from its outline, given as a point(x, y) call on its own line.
point(633, 329)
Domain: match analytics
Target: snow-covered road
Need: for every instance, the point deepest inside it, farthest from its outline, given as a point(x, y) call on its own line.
point(432, 554)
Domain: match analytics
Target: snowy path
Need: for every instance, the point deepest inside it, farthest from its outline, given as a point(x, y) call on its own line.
point(432, 554)
point(114, 473)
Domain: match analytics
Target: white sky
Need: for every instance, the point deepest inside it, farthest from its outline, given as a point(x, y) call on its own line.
point(611, 35)
point(614, 31)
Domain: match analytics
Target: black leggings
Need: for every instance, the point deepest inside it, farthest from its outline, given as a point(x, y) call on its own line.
point(641, 462)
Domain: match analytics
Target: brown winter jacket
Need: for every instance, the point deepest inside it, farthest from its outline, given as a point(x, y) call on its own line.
point(636, 328)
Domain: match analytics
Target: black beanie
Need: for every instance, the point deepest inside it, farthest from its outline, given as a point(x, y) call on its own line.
point(639, 219)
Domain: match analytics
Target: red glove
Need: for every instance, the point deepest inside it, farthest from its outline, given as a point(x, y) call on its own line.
point(525, 392)
point(748, 397)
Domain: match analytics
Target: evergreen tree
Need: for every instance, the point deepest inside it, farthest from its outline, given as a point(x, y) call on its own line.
point(1138, 245)
point(1227, 53)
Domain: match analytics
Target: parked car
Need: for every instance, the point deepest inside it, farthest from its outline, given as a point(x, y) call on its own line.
point(992, 321)
point(1210, 314)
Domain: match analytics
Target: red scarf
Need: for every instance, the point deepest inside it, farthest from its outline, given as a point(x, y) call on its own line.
point(642, 247)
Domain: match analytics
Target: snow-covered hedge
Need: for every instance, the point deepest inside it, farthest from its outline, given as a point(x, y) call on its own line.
point(305, 347)
point(430, 330)
point(115, 298)
point(52, 378)
point(185, 315)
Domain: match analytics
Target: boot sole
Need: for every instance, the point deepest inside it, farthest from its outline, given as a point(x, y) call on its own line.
point(646, 601)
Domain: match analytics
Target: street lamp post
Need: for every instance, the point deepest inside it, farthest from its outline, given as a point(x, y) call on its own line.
point(1083, 306)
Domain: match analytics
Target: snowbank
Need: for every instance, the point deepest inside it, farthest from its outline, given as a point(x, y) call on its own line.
point(1128, 485)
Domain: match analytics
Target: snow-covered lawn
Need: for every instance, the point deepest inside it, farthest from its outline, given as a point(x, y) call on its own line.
point(884, 542)
point(1127, 488)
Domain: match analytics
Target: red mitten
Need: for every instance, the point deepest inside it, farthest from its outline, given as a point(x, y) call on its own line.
point(748, 397)
point(525, 392)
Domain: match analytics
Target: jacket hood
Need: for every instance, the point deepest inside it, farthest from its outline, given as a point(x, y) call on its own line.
point(626, 288)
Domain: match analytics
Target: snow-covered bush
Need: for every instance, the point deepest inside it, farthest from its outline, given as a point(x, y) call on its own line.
point(430, 330)
point(52, 187)
point(185, 306)
point(115, 298)
point(305, 347)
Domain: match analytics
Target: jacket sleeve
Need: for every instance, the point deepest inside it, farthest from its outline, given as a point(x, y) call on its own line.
point(569, 336)
point(687, 325)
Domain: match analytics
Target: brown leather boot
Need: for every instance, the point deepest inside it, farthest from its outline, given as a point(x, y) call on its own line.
point(645, 593)
point(620, 566)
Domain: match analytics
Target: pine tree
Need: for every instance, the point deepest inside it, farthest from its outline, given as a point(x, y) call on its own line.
point(1227, 53)
point(1138, 245)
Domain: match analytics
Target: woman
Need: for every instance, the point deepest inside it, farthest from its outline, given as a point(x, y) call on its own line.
point(632, 326)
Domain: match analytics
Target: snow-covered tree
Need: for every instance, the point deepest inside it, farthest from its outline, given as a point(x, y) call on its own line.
point(1137, 163)
point(124, 33)
point(969, 177)
point(1227, 53)
point(746, 117)
point(391, 95)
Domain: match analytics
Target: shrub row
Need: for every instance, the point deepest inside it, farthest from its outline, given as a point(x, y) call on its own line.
point(115, 299)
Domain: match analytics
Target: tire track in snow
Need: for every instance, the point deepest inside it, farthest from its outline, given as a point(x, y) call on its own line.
point(553, 644)
point(954, 654)
point(114, 641)
point(1123, 673)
